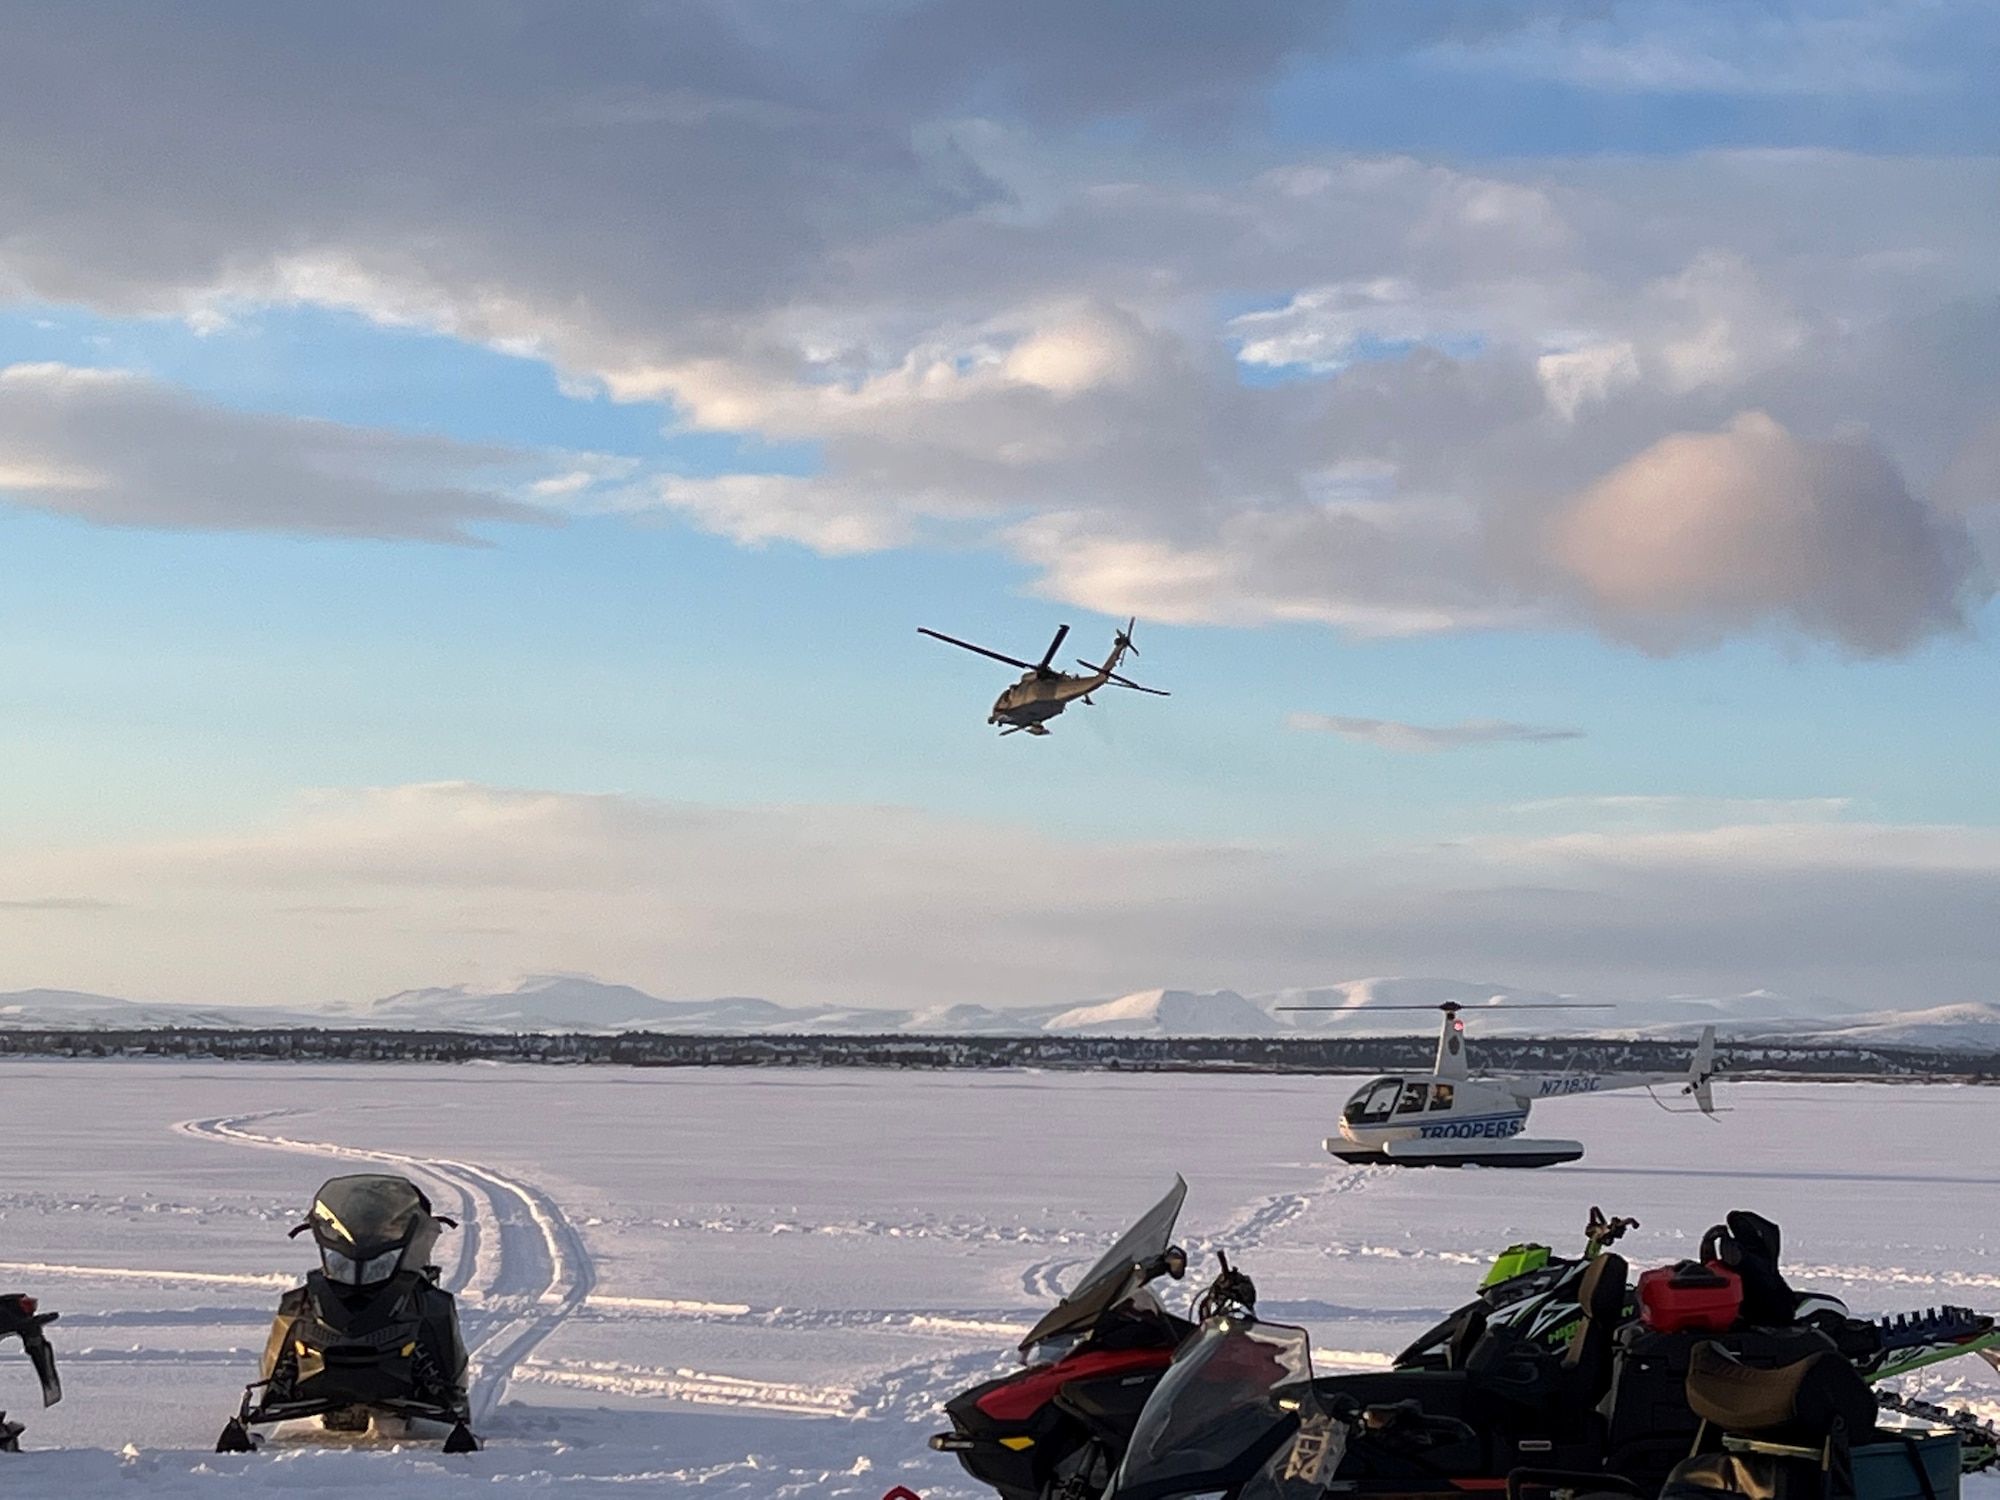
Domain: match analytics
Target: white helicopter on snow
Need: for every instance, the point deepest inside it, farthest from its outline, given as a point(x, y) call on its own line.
point(1450, 1119)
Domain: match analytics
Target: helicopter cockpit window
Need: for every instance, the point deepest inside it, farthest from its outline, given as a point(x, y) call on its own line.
point(1414, 1095)
point(1440, 1096)
point(1373, 1102)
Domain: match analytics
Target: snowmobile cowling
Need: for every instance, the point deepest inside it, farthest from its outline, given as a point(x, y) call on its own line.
point(370, 1225)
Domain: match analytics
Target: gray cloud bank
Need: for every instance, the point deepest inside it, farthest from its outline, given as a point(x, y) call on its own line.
point(352, 892)
point(1389, 734)
point(1543, 388)
point(115, 448)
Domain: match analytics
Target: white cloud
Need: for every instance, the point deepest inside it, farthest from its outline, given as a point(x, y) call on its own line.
point(788, 226)
point(1575, 378)
point(1425, 739)
point(1328, 328)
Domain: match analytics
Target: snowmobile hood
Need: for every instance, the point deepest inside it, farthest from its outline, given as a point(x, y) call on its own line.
point(1121, 1271)
point(370, 1211)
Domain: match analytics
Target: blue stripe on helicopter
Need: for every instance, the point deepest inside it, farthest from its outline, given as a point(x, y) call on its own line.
point(1483, 1127)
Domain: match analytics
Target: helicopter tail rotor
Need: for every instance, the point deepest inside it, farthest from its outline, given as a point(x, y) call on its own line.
point(1701, 1072)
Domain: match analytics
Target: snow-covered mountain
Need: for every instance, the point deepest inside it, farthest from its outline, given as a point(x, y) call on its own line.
point(1168, 1013)
point(1970, 1027)
point(558, 1002)
point(23, 1010)
point(1376, 1006)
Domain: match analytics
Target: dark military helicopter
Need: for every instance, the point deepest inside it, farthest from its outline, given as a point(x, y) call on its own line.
point(1043, 692)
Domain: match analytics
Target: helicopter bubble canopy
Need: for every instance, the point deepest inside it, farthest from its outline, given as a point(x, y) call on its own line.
point(370, 1225)
point(1140, 1254)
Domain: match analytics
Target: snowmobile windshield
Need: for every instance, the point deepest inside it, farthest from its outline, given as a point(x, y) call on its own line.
point(1118, 1272)
point(363, 1224)
point(350, 1272)
point(1230, 1398)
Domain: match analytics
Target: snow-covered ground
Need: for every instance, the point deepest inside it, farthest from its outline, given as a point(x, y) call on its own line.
point(760, 1283)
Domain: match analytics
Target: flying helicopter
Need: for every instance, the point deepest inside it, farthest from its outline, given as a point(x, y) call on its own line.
point(1043, 692)
point(1450, 1119)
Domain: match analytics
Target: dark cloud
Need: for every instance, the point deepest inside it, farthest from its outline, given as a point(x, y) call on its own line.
point(1069, 62)
point(120, 450)
point(1704, 534)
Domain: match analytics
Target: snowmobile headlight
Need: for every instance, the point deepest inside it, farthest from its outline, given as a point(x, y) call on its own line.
point(342, 1268)
point(380, 1267)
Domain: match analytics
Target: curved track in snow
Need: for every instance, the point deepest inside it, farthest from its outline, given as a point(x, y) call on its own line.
point(522, 1269)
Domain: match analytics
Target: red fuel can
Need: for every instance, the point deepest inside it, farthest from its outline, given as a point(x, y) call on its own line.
point(1675, 1299)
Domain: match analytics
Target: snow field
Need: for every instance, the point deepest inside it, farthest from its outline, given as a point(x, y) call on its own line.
point(761, 1283)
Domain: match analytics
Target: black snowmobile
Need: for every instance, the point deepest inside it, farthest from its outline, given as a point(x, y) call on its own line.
point(1487, 1404)
point(21, 1318)
point(1058, 1427)
point(371, 1333)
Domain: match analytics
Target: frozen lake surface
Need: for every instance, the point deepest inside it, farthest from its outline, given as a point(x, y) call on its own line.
point(761, 1283)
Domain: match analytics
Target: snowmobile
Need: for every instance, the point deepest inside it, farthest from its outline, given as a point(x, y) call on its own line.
point(371, 1333)
point(1532, 1292)
point(20, 1317)
point(1240, 1412)
point(1056, 1429)
point(1529, 1290)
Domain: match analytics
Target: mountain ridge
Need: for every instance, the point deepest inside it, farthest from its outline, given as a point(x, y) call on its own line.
point(1370, 1006)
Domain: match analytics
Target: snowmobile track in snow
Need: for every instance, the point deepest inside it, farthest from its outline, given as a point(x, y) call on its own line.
point(522, 1270)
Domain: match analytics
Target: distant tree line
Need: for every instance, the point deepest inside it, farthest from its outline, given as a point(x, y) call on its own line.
point(648, 1049)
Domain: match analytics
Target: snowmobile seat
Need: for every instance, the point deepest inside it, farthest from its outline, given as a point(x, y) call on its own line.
point(1587, 1363)
point(1466, 1336)
point(1804, 1402)
point(1649, 1424)
point(1802, 1431)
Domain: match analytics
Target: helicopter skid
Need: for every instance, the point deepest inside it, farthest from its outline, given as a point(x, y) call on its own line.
point(1514, 1152)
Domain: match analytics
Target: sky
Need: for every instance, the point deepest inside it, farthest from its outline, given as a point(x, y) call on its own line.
point(470, 478)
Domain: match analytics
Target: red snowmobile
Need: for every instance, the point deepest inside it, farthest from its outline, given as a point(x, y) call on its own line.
point(1056, 1430)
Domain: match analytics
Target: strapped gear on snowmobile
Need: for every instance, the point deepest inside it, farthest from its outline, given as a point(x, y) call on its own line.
point(1748, 1248)
point(371, 1332)
point(21, 1317)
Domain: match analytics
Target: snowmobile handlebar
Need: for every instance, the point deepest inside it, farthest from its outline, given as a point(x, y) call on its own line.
point(1601, 1232)
point(1232, 1292)
point(21, 1315)
point(301, 1227)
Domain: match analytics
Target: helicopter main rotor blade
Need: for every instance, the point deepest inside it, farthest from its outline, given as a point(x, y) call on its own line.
point(1477, 1011)
point(952, 640)
point(1054, 646)
point(1126, 682)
